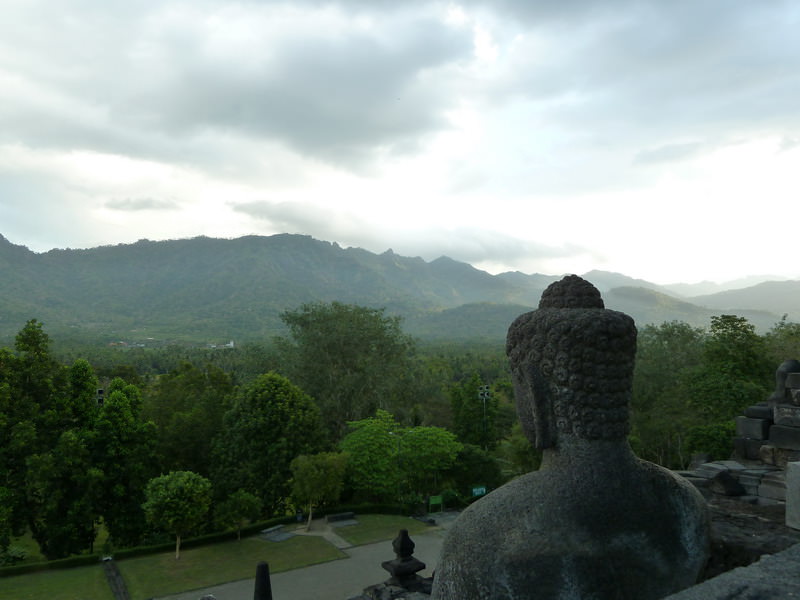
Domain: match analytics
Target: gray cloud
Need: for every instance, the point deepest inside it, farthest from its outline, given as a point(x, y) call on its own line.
point(668, 153)
point(470, 244)
point(325, 87)
point(139, 204)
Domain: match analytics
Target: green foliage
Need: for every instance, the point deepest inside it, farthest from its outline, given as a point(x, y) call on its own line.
point(237, 510)
point(350, 359)
point(782, 341)
point(734, 371)
point(474, 465)
point(317, 479)
point(715, 396)
point(716, 440)
point(388, 461)
point(61, 486)
point(187, 406)
point(475, 410)
point(515, 454)
point(12, 555)
point(666, 356)
point(373, 448)
point(124, 453)
point(734, 348)
point(178, 503)
point(270, 423)
point(689, 386)
point(425, 454)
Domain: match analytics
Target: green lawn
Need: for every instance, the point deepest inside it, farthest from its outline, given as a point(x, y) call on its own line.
point(161, 574)
point(81, 583)
point(376, 528)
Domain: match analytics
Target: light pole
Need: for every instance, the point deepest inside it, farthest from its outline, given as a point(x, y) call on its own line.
point(484, 394)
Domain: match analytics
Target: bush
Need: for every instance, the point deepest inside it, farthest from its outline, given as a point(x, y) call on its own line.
point(13, 555)
point(715, 440)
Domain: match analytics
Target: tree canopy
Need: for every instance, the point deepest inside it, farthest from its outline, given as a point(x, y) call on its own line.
point(270, 423)
point(350, 359)
point(389, 462)
point(178, 503)
point(317, 478)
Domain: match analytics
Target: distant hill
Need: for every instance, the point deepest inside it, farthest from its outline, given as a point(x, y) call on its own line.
point(779, 297)
point(213, 290)
point(705, 288)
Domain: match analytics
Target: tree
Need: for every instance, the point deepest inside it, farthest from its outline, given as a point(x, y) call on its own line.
point(178, 503)
point(426, 453)
point(734, 371)
point(474, 465)
point(317, 479)
point(666, 354)
point(388, 462)
point(61, 489)
point(270, 423)
point(187, 405)
point(237, 510)
point(516, 455)
point(373, 449)
point(350, 359)
point(123, 449)
point(475, 411)
point(782, 341)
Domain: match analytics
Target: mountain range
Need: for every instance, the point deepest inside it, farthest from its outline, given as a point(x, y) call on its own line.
point(207, 290)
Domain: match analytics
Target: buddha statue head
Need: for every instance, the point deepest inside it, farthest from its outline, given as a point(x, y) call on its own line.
point(572, 365)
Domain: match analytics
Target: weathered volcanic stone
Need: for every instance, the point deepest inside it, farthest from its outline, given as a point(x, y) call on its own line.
point(747, 448)
point(758, 411)
point(782, 436)
point(793, 495)
point(753, 428)
point(584, 525)
point(787, 415)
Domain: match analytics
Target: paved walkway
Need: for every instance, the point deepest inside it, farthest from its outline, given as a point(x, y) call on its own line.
point(338, 579)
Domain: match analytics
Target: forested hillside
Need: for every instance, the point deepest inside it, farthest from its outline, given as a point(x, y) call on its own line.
point(206, 290)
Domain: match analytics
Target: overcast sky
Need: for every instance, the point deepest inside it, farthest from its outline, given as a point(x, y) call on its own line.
point(659, 139)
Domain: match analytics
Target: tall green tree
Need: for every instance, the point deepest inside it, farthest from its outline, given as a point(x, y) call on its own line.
point(187, 405)
point(61, 491)
point(270, 423)
point(237, 510)
point(475, 410)
point(782, 342)
point(389, 462)
point(123, 448)
point(734, 371)
point(350, 359)
point(317, 479)
point(661, 417)
point(178, 503)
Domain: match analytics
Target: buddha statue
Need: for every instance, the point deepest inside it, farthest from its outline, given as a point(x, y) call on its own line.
point(594, 521)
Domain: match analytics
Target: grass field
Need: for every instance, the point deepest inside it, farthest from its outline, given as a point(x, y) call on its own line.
point(82, 583)
point(376, 528)
point(161, 574)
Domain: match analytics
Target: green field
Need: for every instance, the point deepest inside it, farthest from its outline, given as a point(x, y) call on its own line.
point(376, 528)
point(161, 574)
point(81, 583)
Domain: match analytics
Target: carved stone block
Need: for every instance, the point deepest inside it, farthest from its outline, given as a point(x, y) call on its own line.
point(782, 436)
point(758, 411)
point(793, 495)
point(748, 448)
point(757, 429)
point(786, 414)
